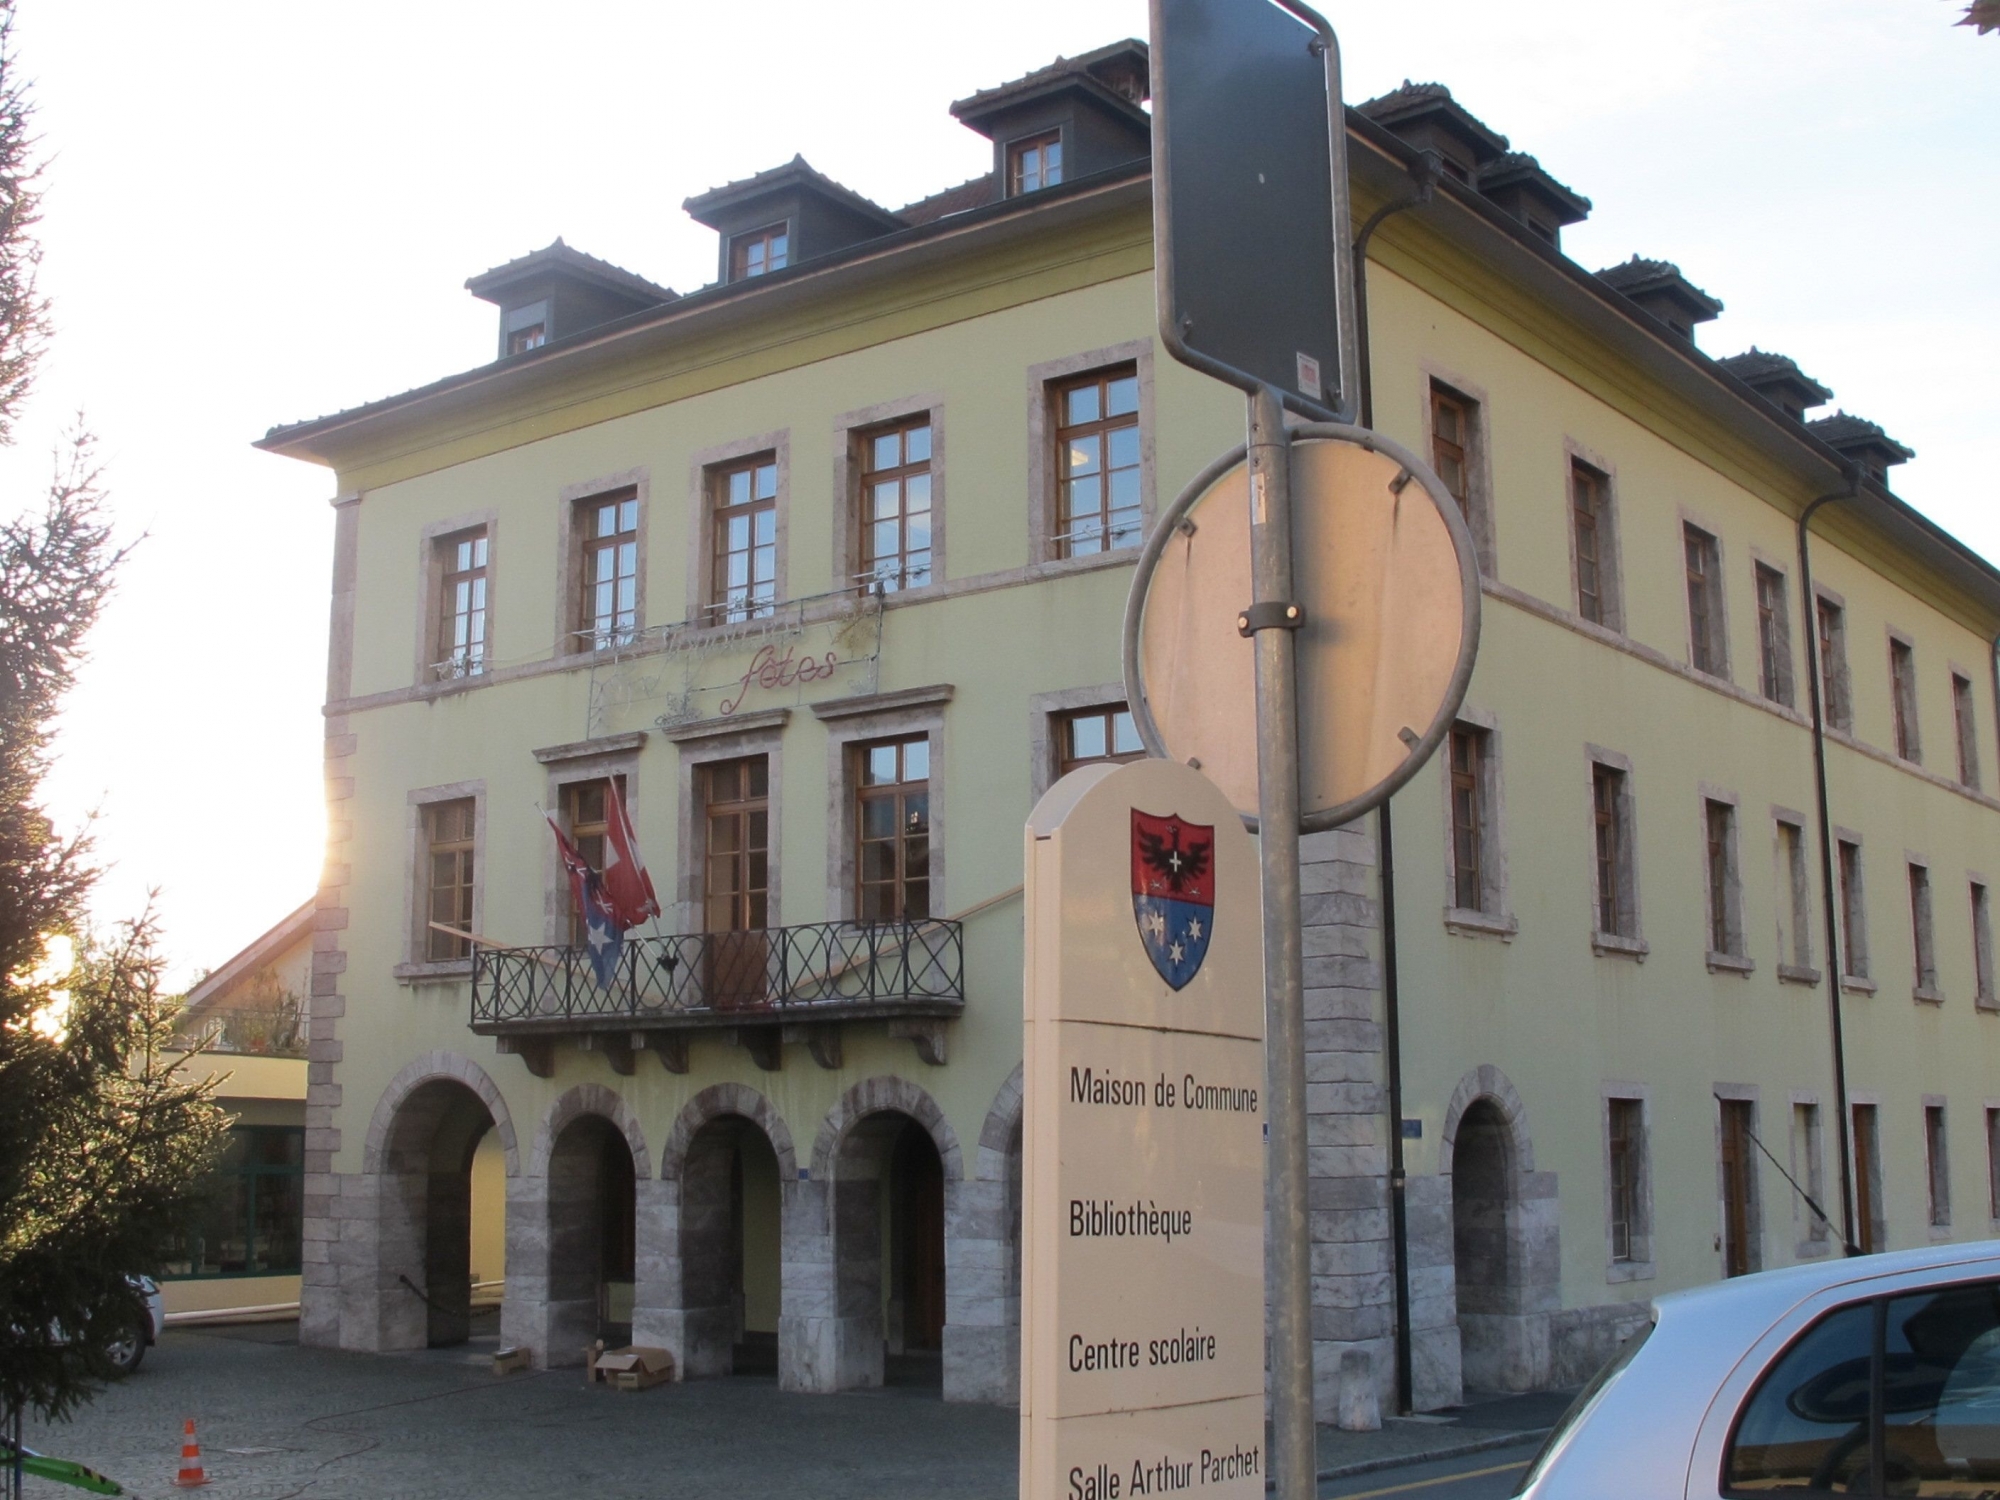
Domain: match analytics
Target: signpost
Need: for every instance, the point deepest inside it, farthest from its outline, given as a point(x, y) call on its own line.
point(1142, 1367)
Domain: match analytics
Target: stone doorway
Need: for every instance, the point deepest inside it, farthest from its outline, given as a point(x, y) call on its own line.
point(730, 1238)
point(1504, 1259)
point(592, 1208)
point(426, 1229)
point(888, 1251)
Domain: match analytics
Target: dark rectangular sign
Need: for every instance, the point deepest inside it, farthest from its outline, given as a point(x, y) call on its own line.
point(1250, 288)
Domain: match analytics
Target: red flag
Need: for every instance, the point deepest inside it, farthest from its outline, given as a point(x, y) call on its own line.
point(574, 864)
point(627, 887)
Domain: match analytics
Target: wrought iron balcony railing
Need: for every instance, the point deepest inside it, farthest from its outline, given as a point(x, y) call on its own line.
point(822, 971)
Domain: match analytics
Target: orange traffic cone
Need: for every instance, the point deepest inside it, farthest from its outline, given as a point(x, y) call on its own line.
point(192, 1474)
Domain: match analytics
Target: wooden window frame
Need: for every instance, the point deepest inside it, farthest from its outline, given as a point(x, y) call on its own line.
point(1701, 555)
point(1723, 878)
point(1741, 1231)
point(1590, 539)
point(1466, 749)
point(463, 847)
point(748, 900)
point(1774, 634)
point(1923, 933)
point(1865, 1131)
point(1626, 1163)
point(453, 658)
point(1448, 453)
point(902, 575)
point(1984, 994)
point(721, 606)
point(1965, 721)
point(758, 244)
point(589, 837)
point(1907, 732)
point(1064, 535)
point(1830, 634)
point(1937, 1165)
point(1614, 875)
point(1993, 1163)
point(1808, 1166)
point(899, 907)
point(1048, 173)
point(1852, 883)
point(1795, 889)
point(1063, 743)
point(593, 629)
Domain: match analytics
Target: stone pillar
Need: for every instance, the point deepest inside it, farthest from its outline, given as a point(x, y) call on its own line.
point(807, 1357)
point(982, 1286)
point(656, 1272)
point(1436, 1378)
point(1353, 1289)
point(524, 1314)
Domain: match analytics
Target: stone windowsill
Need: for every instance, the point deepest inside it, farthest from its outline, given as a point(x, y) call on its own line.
point(1618, 1272)
point(1617, 945)
point(1799, 974)
point(1730, 963)
point(1469, 923)
point(449, 971)
point(1940, 1234)
point(1857, 984)
point(1988, 1003)
point(1925, 994)
point(1813, 1249)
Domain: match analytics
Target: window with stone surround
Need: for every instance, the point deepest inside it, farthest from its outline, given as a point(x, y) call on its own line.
point(1097, 462)
point(892, 824)
point(1104, 735)
point(1724, 880)
point(1774, 636)
point(1454, 435)
point(586, 818)
point(1625, 1140)
point(1853, 911)
point(1937, 1167)
point(1963, 721)
point(1794, 901)
point(1903, 699)
point(451, 878)
point(1923, 933)
point(607, 585)
point(743, 531)
point(1809, 1167)
point(1982, 947)
point(1993, 1164)
point(1475, 883)
point(1742, 1249)
point(1615, 890)
point(1707, 642)
point(459, 648)
point(1836, 701)
point(894, 524)
point(1591, 538)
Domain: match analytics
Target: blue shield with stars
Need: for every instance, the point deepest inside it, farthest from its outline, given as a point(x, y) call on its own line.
point(1173, 891)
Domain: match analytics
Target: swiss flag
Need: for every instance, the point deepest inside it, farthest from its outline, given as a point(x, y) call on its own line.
point(628, 889)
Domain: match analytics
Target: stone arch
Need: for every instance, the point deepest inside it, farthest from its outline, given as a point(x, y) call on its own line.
point(714, 1103)
point(887, 1093)
point(997, 1136)
point(1489, 1083)
point(590, 1099)
point(431, 1067)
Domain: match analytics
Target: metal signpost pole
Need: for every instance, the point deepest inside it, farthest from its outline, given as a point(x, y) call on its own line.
point(1294, 1444)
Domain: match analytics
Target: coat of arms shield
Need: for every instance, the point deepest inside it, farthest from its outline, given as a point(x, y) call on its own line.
point(1173, 891)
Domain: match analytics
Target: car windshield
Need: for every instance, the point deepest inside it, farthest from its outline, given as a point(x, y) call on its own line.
point(1585, 1399)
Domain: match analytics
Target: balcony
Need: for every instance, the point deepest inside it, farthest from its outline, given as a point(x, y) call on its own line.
point(759, 989)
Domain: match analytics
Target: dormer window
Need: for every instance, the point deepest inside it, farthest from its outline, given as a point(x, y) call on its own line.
point(759, 251)
point(1034, 163)
point(525, 327)
point(521, 340)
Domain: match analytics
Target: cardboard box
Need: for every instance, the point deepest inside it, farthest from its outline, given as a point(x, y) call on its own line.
point(637, 1367)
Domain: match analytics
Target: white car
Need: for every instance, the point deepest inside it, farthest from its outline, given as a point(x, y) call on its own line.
point(149, 1320)
point(1876, 1375)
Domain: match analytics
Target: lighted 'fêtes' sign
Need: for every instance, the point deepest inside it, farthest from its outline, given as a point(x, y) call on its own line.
point(774, 673)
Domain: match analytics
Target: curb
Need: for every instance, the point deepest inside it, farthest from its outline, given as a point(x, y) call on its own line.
point(1455, 1450)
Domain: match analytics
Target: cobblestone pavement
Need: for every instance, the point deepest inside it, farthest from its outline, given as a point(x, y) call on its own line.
point(324, 1425)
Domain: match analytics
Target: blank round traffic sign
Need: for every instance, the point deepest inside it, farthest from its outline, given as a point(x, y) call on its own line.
point(1383, 563)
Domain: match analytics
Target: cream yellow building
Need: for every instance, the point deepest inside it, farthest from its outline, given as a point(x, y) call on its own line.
point(823, 564)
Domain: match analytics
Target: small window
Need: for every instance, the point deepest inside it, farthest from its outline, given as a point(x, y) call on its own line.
point(1611, 817)
point(1704, 594)
point(1097, 463)
point(1853, 913)
point(1869, 1224)
point(1454, 423)
point(760, 251)
point(893, 818)
point(743, 577)
point(896, 506)
point(1903, 699)
point(1725, 891)
point(1833, 679)
point(1808, 1166)
point(1471, 858)
point(1923, 935)
point(460, 647)
point(1982, 947)
point(1034, 163)
point(1627, 1146)
point(1097, 736)
point(608, 588)
point(1937, 1171)
point(1590, 530)
point(449, 830)
point(1968, 736)
point(1740, 1231)
point(1794, 897)
point(521, 340)
point(1774, 637)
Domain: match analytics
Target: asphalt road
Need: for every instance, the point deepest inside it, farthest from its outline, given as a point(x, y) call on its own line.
point(1491, 1475)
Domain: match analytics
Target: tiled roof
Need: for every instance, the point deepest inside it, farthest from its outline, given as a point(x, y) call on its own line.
point(1414, 99)
point(1638, 275)
point(1117, 69)
point(1756, 366)
point(798, 170)
point(1513, 167)
point(1843, 431)
point(975, 193)
point(558, 256)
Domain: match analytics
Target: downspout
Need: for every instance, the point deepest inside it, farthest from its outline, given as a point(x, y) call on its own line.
point(1425, 171)
point(1829, 873)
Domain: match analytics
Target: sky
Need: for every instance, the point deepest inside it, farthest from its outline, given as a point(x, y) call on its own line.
point(258, 213)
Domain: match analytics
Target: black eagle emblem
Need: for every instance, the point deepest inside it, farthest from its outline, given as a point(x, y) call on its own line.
point(1178, 867)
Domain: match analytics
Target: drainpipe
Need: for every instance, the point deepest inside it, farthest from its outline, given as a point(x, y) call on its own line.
point(1425, 171)
point(1829, 873)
